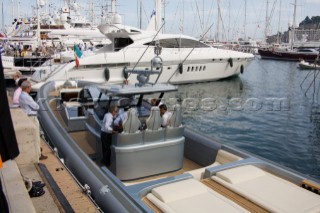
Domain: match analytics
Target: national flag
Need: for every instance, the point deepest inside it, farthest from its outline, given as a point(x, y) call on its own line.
point(77, 51)
point(77, 62)
point(77, 55)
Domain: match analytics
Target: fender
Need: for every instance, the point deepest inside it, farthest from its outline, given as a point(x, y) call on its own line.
point(107, 73)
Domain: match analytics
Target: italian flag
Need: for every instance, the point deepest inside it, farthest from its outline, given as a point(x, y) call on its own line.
point(77, 54)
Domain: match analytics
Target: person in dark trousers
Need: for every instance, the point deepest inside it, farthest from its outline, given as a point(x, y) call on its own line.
point(106, 134)
point(8, 143)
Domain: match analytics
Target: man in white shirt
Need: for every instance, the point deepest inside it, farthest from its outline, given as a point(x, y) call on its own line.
point(164, 114)
point(30, 107)
point(106, 134)
point(27, 104)
point(121, 117)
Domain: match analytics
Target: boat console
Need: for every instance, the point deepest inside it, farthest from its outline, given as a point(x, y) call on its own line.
point(141, 153)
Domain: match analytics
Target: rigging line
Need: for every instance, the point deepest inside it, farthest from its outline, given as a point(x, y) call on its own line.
point(174, 17)
point(318, 88)
point(148, 47)
point(305, 78)
point(223, 28)
point(210, 13)
point(190, 52)
point(199, 17)
point(315, 76)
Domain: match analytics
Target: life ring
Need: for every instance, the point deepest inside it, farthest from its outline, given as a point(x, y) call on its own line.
point(125, 73)
point(241, 69)
point(230, 60)
point(107, 73)
point(180, 67)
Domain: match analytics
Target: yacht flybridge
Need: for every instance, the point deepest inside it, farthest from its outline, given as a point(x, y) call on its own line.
point(186, 59)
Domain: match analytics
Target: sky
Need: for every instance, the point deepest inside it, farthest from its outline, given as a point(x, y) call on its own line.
point(195, 17)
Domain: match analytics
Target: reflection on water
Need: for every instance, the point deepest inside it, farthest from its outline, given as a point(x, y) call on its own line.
point(264, 111)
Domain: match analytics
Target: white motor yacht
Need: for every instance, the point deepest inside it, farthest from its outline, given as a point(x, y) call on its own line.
point(186, 59)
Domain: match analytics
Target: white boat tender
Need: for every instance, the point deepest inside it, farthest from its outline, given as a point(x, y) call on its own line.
point(308, 66)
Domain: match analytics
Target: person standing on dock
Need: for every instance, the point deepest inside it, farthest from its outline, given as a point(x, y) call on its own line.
point(30, 107)
point(17, 92)
point(106, 134)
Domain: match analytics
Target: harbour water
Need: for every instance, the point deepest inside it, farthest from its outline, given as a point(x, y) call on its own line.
point(267, 111)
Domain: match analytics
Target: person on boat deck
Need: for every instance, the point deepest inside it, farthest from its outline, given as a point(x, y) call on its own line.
point(164, 114)
point(30, 107)
point(106, 134)
point(17, 92)
point(120, 118)
point(153, 102)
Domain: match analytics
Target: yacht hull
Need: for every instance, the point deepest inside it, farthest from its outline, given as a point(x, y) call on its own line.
point(286, 55)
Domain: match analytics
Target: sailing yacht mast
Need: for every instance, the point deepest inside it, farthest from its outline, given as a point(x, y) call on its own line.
point(294, 22)
point(218, 23)
point(267, 24)
point(278, 37)
point(245, 19)
point(158, 14)
point(12, 2)
point(18, 15)
point(38, 23)
point(2, 15)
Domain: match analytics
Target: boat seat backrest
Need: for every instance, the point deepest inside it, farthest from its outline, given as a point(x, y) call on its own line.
point(176, 117)
point(154, 121)
point(132, 123)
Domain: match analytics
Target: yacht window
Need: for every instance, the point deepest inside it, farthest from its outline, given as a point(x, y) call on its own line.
point(188, 70)
point(204, 68)
point(177, 43)
point(200, 68)
point(192, 69)
point(93, 66)
point(120, 43)
point(305, 51)
point(196, 68)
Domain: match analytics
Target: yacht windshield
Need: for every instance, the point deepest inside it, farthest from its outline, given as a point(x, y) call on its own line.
point(120, 43)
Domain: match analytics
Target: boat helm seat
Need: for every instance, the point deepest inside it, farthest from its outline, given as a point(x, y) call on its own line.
point(154, 131)
point(153, 122)
point(131, 135)
point(176, 117)
point(132, 123)
point(123, 102)
point(175, 128)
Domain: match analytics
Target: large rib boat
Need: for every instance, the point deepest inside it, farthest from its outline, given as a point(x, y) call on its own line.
point(155, 169)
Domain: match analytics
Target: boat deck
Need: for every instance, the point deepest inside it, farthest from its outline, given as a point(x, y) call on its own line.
point(64, 183)
point(188, 165)
point(62, 193)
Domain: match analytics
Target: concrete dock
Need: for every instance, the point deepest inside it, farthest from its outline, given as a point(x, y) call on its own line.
point(62, 192)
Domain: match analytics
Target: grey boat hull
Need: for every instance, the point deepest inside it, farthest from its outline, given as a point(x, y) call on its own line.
point(110, 194)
